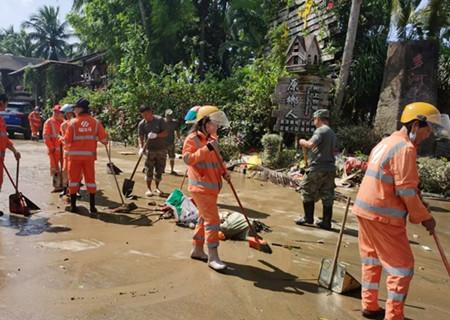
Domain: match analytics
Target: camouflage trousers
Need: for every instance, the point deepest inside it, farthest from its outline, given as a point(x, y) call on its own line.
point(318, 185)
point(155, 164)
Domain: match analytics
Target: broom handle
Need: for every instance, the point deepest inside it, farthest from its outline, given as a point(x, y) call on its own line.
point(184, 179)
point(108, 152)
point(441, 252)
point(139, 160)
point(244, 213)
point(17, 176)
point(10, 178)
point(61, 163)
point(338, 247)
point(305, 156)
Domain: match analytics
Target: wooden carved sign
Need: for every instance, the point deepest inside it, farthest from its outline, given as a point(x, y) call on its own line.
point(298, 98)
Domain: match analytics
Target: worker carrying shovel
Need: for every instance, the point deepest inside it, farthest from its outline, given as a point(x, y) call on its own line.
point(53, 143)
point(205, 172)
point(80, 140)
point(5, 143)
point(388, 194)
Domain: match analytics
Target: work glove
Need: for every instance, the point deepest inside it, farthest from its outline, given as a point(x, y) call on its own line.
point(141, 151)
point(214, 144)
point(17, 155)
point(429, 224)
point(152, 135)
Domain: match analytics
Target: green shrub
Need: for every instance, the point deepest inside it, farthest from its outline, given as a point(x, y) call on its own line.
point(434, 175)
point(287, 158)
point(357, 139)
point(229, 148)
point(272, 149)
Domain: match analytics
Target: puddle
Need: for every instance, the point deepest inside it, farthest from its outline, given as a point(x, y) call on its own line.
point(72, 245)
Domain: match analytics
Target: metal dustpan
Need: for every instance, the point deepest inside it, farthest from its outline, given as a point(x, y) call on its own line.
point(333, 275)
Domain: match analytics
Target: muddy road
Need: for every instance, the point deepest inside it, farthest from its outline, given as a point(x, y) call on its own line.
point(59, 265)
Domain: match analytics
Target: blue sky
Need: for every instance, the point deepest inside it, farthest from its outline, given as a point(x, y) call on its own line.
point(14, 12)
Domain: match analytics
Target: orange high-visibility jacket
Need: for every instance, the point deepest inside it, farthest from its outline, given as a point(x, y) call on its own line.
point(35, 119)
point(63, 130)
point(4, 140)
point(81, 137)
point(51, 134)
point(389, 190)
point(204, 168)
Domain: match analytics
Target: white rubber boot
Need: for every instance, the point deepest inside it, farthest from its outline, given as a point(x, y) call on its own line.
point(197, 253)
point(214, 261)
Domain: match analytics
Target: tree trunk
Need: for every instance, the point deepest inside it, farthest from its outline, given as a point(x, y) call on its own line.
point(348, 53)
point(202, 8)
point(143, 18)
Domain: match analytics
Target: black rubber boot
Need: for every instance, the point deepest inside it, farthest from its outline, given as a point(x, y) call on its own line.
point(73, 203)
point(308, 218)
point(63, 193)
point(93, 209)
point(326, 220)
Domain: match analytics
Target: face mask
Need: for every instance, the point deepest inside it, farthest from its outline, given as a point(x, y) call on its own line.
point(412, 136)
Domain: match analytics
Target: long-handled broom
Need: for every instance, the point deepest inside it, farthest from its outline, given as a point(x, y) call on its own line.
point(255, 241)
point(125, 207)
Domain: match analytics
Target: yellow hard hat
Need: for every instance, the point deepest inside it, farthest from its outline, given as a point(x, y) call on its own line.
point(421, 111)
point(205, 111)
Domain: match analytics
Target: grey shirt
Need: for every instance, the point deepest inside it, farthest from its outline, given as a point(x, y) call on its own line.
point(172, 126)
point(322, 156)
point(157, 125)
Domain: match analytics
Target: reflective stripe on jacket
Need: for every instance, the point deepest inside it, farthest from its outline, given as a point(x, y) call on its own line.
point(204, 168)
point(81, 136)
point(4, 140)
point(389, 190)
point(51, 134)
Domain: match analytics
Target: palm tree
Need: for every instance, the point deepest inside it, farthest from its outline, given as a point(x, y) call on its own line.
point(49, 33)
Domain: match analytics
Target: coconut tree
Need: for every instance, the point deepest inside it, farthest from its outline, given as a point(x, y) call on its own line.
point(48, 32)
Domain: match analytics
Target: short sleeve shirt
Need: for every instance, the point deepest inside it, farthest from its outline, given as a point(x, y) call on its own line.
point(172, 126)
point(156, 125)
point(322, 156)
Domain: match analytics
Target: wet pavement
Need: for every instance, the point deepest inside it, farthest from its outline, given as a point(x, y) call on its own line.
point(59, 265)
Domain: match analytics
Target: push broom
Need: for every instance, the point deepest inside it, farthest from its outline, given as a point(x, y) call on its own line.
point(255, 241)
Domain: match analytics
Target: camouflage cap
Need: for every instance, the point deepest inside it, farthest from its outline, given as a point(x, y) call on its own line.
point(322, 114)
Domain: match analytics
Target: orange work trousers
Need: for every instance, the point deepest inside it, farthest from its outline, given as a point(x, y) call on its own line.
point(79, 169)
point(35, 131)
point(385, 246)
point(208, 222)
point(55, 158)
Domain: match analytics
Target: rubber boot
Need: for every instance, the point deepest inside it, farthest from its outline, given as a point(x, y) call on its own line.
point(197, 253)
point(326, 220)
point(93, 209)
point(308, 218)
point(63, 193)
point(214, 261)
point(73, 203)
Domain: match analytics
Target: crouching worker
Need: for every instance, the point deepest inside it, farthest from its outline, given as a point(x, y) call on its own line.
point(80, 139)
point(205, 172)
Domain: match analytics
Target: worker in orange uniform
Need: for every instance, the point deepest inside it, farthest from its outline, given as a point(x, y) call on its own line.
point(205, 173)
point(35, 120)
point(80, 139)
point(68, 113)
point(51, 138)
point(388, 194)
point(5, 143)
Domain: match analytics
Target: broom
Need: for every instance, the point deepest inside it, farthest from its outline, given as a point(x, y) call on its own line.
point(255, 241)
point(125, 207)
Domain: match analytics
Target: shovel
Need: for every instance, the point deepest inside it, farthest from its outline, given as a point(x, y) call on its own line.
point(334, 276)
point(18, 203)
point(111, 168)
point(441, 252)
point(124, 208)
point(128, 184)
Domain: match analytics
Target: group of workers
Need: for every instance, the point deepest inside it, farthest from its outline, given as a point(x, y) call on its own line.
point(388, 194)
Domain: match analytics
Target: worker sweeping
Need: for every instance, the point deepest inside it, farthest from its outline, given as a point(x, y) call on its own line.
point(80, 139)
point(388, 194)
point(5, 143)
point(69, 114)
point(52, 140)
point(205, 173)
point(35, 120)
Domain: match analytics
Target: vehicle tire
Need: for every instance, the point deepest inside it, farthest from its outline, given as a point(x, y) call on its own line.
point(27, 135)
point(11, 134)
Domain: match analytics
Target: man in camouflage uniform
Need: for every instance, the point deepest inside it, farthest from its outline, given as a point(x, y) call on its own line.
point(153, 128)
point(319, 180)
